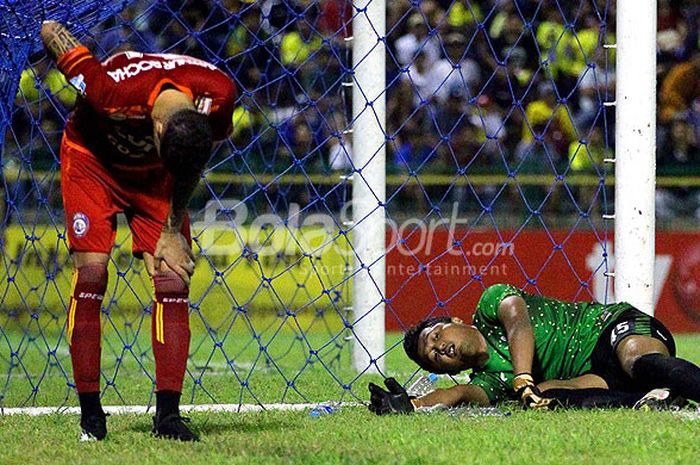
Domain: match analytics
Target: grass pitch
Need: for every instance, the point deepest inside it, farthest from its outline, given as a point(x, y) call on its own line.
point(355, 436)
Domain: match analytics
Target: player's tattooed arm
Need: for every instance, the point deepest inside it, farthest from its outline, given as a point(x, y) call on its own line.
point(182, 192)
point(57, 39)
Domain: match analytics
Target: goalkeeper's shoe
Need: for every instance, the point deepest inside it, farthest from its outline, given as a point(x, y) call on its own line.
point(660, 399)
point(93, 426)
point(172, 426)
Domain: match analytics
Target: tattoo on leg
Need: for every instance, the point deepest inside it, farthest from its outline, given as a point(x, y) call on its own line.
point(57, 39)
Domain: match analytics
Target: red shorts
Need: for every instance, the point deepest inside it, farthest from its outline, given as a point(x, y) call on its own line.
point(93, 194)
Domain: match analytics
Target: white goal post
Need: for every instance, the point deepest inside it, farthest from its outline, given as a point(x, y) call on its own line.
point(635, 153)
point(369, 185)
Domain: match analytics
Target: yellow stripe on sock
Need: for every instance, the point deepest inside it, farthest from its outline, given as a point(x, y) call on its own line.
point(71, 308)
point(71, 319)
point(156, 309)
point(158, 316)
point(160, 337)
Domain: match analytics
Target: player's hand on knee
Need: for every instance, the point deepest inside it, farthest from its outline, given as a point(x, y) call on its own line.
point(174, 251)
point(528, 393)
point(395, 400)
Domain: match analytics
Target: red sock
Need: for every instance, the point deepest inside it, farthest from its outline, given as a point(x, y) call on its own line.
point(89, 285)
point(170, 331)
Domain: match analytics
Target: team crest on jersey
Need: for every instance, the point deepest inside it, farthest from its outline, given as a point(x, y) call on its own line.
point(79, 83)
point(81, 224)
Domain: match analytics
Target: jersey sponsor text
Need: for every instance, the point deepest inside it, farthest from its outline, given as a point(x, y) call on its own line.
point(174, 61)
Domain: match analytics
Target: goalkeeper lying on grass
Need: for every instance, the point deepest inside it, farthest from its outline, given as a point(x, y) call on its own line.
point(545, 353)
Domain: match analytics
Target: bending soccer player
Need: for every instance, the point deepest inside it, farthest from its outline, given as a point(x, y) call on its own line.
point(137, 143)
point(545, 352)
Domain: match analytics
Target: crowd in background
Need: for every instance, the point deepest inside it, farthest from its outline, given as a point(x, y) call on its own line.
point(473, 87)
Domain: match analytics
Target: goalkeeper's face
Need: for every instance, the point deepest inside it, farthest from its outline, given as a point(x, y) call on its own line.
point(452, 347)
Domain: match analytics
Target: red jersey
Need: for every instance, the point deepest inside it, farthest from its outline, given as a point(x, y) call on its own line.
point(113, 116)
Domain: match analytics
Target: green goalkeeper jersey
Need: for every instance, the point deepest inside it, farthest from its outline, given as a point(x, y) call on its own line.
point(565, 335)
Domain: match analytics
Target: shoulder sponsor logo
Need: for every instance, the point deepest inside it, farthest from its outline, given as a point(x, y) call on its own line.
point(203, 105)
point(81, 224)
point(79, 83)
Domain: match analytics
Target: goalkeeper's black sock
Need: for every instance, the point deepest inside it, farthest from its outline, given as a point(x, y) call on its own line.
point(661, 371)
point(593, 398)
point(167, 402)
point(90, 403)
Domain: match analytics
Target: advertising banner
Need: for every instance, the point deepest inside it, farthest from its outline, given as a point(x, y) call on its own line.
point(428, 272)
point(445, 274)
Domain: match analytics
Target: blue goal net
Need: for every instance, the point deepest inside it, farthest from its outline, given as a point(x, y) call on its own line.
point(496, 134)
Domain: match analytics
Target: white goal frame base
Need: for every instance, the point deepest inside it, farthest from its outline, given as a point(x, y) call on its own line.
point(143, 409)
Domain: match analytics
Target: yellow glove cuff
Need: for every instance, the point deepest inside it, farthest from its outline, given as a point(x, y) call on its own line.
point(522, 380)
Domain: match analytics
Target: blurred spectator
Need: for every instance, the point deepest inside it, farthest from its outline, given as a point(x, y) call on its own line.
point(416, 42)
point(596, 85)
point(245, 47)
point(551, 39)
point(455, 74)
point(415, 145)
point(681, 153)
point(460, 15)
point(279, 15)
point(680, 89)
point(551, 116)
point(339, 146)
point(540, 156)
point(684, 146)
point(298, 45)
point(340, 154)
point(452, 75)
point(586, 157)
point(487, 118)
point(452, 113)
point(669, 37)
point(506, 31)
point(52, 80)
point(335, 18)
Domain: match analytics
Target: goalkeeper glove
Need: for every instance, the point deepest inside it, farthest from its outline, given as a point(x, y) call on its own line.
point(526, 390)
point(395, 400)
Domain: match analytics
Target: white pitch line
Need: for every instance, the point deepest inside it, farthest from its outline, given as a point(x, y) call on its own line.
point(143, 409)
